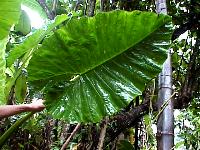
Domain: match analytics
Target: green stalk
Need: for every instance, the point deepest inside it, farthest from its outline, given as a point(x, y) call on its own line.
point(13, 128)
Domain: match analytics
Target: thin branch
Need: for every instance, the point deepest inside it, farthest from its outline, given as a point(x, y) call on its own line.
point(49, 13)
point(102, 134)
point(190, 85)
point(104, 5)
point(71, 136)
point(182, 29)
point(164, 105)
point(136, 126)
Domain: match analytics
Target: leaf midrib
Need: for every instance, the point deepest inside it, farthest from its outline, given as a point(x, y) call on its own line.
point(103, 62)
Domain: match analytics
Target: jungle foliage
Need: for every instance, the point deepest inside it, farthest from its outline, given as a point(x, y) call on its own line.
point(88, 67)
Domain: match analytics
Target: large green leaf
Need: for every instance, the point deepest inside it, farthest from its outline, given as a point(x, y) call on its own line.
point(9, 15)
point(110, 58)
point(2, 70)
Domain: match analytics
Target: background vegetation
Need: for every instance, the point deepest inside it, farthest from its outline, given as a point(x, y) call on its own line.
point(36, 67)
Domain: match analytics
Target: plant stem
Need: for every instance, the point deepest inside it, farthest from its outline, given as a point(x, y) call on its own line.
point(13, 128)
point(71, 136)
point(102, 135)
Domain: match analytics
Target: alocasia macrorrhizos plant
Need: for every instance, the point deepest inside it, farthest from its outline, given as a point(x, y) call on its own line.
point(102, 62)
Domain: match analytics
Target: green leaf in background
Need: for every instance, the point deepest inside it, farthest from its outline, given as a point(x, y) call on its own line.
point(110, 58)
point(27, 48)
point(24, 24)
point(125, 145)
point(9, 15)
point(2, 70)
point(21, 88)
point(34, 5)
point(33, 40)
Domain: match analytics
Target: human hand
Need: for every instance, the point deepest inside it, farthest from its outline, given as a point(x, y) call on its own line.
point(37, 105)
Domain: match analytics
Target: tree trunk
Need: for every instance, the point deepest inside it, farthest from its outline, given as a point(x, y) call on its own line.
point(165, 123)
point(48, 12)
point(91, 8)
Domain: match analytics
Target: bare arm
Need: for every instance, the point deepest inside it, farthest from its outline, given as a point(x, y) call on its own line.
point(9, 110)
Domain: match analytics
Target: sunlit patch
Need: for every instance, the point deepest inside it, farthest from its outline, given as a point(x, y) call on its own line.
point(62, 109)
point(36, 20)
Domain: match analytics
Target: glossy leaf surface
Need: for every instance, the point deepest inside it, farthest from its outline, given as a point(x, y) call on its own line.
point(110, 58)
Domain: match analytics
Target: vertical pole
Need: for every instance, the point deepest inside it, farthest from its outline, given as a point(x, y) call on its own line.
point(165, 123)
